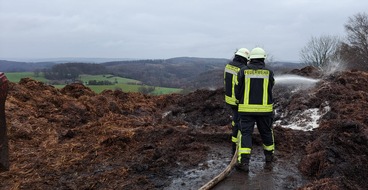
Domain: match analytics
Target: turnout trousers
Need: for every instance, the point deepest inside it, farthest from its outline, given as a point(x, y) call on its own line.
point(235, 134)
point(235, 124)
point(246, 126)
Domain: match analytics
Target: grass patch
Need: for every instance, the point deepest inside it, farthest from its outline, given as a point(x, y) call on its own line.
point(132, 88)
point(123, 87)
point(111, 78)
point(124, 84)
point(16, 76)
point(163, 90)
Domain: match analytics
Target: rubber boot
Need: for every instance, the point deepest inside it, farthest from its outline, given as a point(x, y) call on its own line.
point(268, 155)
point(244, 163)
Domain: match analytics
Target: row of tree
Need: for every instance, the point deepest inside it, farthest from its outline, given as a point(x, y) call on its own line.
point(100, 82)
point(72, 71)
point(328, 51)
point(146, 89)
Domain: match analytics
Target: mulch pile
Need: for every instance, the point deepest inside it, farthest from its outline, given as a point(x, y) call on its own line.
point(338, 156)
point(336, 153)
point(73, 138)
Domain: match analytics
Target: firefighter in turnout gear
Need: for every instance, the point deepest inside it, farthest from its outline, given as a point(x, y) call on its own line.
point(230, 82)
point(254, 92)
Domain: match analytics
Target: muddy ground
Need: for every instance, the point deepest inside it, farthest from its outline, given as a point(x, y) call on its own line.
point(75, 139)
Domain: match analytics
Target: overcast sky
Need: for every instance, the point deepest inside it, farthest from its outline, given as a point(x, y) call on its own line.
point(161, 29)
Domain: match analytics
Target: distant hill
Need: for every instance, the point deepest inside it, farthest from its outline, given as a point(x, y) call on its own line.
point(284, 67)
point(14, 66)
point(27, 65)
point(69, 60)
point(183, 72)
point(179, 72)
point(174, 72)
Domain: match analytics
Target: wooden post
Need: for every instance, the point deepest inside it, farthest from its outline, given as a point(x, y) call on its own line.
point(4, 150)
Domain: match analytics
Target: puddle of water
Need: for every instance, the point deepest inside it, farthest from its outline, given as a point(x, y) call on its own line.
point(282, 174)
point(195, 178)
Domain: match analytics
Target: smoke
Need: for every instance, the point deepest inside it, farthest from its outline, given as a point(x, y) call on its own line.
point(333, 67)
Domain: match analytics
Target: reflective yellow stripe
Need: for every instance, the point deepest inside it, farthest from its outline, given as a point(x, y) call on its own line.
point(243, 151)
point(235, 82)
point(257, 73)
point(265, 92)
point(234, 71)
point(239, 134)
point(255, 108)
point(269, 148)
point(246, 106)
point(230, 100)
point(236, 139)
point(231, 71)
point(246, 90)
point(256, 76)
point(232, 68)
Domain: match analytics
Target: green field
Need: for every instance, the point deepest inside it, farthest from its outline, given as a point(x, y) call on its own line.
point(124, 84)
point(15, 77)
point(111, 78)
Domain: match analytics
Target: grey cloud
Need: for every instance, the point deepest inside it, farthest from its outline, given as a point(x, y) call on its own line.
point(165, 28)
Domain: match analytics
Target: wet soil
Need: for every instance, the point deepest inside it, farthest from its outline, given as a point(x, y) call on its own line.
point(283, 173)
point(75, 139)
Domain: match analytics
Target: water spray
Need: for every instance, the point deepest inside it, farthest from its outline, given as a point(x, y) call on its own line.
point(294, 80)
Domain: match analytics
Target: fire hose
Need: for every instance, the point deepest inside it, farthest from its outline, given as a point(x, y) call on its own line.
point(223, 174)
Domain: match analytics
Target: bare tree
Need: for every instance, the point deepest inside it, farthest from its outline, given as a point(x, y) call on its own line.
point(355, 51)
point(320, 51)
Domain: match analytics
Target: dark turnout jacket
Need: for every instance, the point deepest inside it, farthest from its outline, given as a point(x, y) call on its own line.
point(230, 78)
point(254, 89)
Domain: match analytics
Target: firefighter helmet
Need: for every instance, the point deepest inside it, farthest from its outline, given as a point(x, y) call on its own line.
point(244, 52)
point(257, 53)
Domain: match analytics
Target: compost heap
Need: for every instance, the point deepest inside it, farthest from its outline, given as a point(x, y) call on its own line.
point(74, 138)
